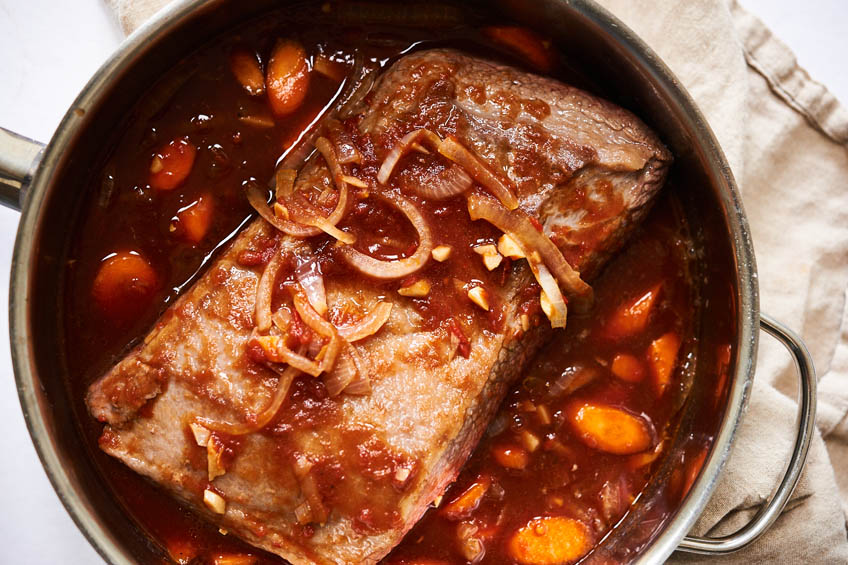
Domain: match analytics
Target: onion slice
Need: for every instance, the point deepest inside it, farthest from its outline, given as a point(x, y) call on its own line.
point(456, 152)
point(276, 352)
point(308, 274)
point(368, 325)
point(326, 358)
point(265, 292)
point(284, 179)
point(344, 373)
point(401, 148)
point(559, 311)
point(261, 419)
point(260, 204)
point(398, 268)
point(449, 183)
point(328, 224)
point(518, 226)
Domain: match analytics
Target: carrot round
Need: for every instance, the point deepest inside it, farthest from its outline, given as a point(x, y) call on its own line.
point(246, 69)
point(287, 77)
point(195, 219)
point(553, 540)
point(171, 166)
point(632, 317)
point(662, 355)
point(511, 457)
point(124, 286)
point(468, 500)
point(627, 368)
point(609, 429)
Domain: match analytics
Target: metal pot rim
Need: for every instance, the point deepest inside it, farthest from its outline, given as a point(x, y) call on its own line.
point(171, 18)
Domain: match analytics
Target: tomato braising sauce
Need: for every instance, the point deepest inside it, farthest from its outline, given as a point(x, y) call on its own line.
point(575, 441)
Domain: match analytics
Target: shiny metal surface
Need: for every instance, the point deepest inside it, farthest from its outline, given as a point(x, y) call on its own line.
point(18, 160)
point(806, 423)
point(183, 27)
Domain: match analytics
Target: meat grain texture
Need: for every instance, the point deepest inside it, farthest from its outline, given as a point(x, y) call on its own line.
point(586, 169)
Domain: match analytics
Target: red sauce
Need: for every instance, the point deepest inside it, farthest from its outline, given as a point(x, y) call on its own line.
point(533, 462)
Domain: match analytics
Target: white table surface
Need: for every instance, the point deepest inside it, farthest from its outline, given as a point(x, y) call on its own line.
point(48, 50)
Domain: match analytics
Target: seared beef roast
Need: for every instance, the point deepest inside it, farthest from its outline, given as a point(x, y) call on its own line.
point(341, 479)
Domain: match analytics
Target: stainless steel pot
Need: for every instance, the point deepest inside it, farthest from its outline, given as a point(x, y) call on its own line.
point(47, 183)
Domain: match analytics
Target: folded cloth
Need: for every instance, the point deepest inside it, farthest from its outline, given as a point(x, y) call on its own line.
point(785, 139)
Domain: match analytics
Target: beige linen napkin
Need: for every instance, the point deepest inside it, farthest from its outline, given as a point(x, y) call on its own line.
point(785, 137)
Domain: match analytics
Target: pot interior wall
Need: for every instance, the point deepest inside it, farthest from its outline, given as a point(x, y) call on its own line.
point(620, 74)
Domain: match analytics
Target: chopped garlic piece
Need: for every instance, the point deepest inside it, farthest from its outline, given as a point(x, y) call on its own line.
point(530, 441)
point(441, 253)
point(418, 289)
point(156, 165)
point(480, 297)
point(492, 261)
point(402, 474)
point(525, 322)
point(488, 249)
point(508, 248)
point(223, 531)
point(543, 414)
point(491, 257)
point(214, 501)
point(201, 434)
point(214, 465)
point(437, 501)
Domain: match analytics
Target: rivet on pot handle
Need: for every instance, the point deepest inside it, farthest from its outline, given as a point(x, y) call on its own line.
point(806, 425)
point(19, 157)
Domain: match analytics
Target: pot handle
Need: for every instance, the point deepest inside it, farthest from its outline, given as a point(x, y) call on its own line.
point(19, 157)
point(806, 425)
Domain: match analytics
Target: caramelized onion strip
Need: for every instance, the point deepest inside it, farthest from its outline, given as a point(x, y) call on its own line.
point(260, 204)
point(401, 148)
point(449, 183)
point(265, 292)
point(326, 358)
point(456, 152)
point(328, 224)
point(518, 226)
point(559, 311)
point(368, 325)
point(264, 417)
point(398, 268)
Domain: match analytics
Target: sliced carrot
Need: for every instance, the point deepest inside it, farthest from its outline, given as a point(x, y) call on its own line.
point(245, 66)
point(171, 166)
point(467, 502)
point(194, 220)
point(627, 368)
point(609, 429)
point(124, 286)
point(287, 77)
point(554, 540)
point(511, 457)
point(632, 317)
point(525, 43)
point(182, 551)
point(662, 355)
